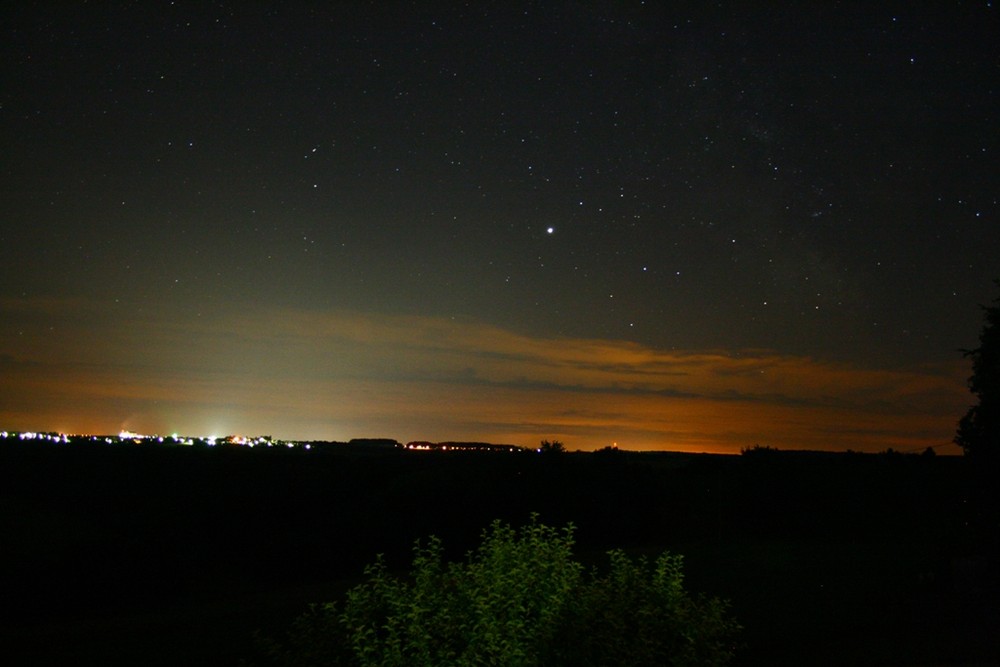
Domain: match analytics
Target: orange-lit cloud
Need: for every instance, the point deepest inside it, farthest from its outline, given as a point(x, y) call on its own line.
point(336, 375)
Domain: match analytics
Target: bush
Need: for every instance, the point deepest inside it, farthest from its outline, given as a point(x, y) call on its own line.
point(639, 614)
point(519, 600)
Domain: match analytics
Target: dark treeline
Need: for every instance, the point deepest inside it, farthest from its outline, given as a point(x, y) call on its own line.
point(178, 554)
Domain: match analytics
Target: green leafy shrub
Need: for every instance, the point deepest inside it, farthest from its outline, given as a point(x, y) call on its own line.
point(639, 614)
point(520, 599)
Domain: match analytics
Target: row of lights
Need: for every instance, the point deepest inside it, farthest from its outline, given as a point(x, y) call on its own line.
point(31, 435)
point(138, 438)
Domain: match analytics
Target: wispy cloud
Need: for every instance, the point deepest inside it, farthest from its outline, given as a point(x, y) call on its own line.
point(344, 374)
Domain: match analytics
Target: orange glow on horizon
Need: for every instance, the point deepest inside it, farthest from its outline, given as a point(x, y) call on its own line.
point(311, 375)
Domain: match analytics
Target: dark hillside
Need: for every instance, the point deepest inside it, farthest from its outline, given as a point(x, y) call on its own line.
point(176, 555)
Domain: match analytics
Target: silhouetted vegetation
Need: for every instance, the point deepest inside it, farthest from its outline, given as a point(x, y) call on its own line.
point(979, 430)
point(979, 436)
point(552, 447)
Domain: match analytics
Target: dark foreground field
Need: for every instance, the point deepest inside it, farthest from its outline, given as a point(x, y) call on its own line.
point(177, 556)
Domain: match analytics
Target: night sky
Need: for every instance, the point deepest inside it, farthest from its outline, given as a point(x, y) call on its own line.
point(667, 225)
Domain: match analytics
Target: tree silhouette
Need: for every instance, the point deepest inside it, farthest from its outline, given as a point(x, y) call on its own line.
point(979, 435)
point(979, 430)
point(553, 447)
